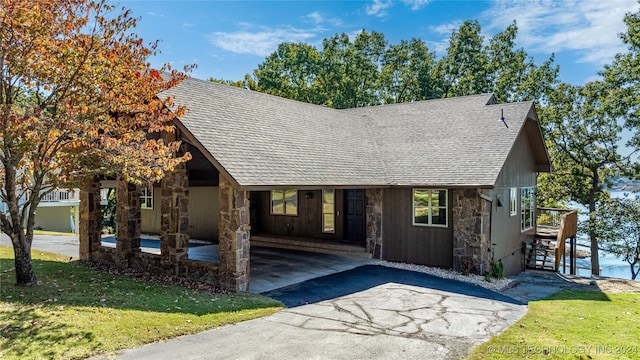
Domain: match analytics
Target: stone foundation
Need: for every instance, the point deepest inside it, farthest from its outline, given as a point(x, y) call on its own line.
point(90, 225)
point(471, 231)
point(200, 271)
point(234, 233)
point(374, 222)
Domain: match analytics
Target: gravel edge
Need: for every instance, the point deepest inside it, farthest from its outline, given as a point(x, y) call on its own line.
point(497, 285)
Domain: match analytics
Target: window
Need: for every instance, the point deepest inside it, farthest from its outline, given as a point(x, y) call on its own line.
point(527, 209)
point(430, 207)
point(146, 198)
point(513, 201)
point(328, 211)
point(284, 202)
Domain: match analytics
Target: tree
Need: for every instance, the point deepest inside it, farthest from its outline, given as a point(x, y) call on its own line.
point(350, 71)
point(464, 69)
point(582, 131)
point(291, 72)
point(624, 76)
point(78, 99)
point(407, 73)
point(513, 75)
point(618, 227)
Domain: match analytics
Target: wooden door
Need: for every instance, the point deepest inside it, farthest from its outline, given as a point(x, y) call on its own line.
point(355, 215)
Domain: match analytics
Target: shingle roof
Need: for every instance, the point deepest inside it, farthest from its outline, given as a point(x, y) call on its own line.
point(265, 140)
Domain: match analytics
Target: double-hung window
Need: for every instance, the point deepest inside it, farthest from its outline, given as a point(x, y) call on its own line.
point(430, 207)
point(284, 202)
point(146, 198)
point(527, 208)
point(328, 211)
point(513, 201)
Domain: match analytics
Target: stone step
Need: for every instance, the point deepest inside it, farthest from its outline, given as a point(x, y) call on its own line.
point(311, 245)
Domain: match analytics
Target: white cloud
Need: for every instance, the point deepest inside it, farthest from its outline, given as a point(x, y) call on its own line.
point(416, 4)
point(314, 17)
point(151, 13)
point(261, 43)
point(588, 27)
point(379, 7)
point(446, 29)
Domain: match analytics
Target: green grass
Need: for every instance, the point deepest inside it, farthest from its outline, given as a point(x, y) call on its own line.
point(571, 325)
point(54, 233)
point(77, 311)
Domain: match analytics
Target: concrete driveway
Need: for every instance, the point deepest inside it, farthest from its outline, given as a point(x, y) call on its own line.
point(377, 313)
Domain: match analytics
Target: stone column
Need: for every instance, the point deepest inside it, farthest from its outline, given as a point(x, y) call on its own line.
point(233, 234)
point(471, 231)
point(90, 223)
point(174, 223)
point(374, 222)
point(128, 221)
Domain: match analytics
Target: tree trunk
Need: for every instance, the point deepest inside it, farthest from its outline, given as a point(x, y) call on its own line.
point(595, 256)
point(24, 267)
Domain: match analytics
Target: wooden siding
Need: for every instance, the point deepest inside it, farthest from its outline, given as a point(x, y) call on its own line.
point(308, 222)
point(204, 209)
point(519, 171)
point(405, 242)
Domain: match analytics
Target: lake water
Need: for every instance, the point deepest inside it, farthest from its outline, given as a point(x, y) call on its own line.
point(609, 265)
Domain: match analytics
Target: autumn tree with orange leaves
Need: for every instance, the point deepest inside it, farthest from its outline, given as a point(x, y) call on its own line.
point(78, 99)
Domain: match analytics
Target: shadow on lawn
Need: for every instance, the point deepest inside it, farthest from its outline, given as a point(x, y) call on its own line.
point(587, 294)
point(23, 329)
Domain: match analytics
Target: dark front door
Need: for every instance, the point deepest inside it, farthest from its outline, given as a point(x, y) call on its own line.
point(355, 215)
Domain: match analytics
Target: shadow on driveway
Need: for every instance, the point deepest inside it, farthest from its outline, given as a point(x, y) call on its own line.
point(369, 276)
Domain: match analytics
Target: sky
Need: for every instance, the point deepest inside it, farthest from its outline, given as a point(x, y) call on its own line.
point(228, 39)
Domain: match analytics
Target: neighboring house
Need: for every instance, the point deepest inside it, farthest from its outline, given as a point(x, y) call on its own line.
point(448, 182)
point(57, 211)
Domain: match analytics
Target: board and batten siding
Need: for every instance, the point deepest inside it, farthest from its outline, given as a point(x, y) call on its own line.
point(204, 210)
point(518, 171)
point(308, 222)
point(405, 242)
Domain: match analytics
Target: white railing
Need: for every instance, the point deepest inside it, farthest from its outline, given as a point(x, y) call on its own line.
point(62, 195)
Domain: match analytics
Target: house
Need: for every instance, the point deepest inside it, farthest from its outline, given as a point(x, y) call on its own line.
point(58, 210)
point(448, 182)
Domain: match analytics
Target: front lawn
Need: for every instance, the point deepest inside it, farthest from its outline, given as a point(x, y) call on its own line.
point(571, 325)
point(77, 311)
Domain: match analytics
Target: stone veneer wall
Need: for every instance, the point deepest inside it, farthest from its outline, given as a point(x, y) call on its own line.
point(128, 220)
point(90, 225)
point(374, 222)
point(471, 231)
point(174, 222)
point(233, 237)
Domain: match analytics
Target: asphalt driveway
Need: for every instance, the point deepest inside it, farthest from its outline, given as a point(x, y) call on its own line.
point(370, 312)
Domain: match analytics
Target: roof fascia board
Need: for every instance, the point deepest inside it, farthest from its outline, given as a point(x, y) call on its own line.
point(191, 139)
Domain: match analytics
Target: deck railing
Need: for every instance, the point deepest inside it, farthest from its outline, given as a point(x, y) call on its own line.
point(550, 216)
point(62, 195)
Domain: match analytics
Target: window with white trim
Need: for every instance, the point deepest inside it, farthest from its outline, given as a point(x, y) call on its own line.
point(513, 201)
point(146, 197)
point(527, 208)
point(430, 207)
point(328, 211)
point(284, 202)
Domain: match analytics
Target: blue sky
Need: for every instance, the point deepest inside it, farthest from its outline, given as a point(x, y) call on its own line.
point(227, 39)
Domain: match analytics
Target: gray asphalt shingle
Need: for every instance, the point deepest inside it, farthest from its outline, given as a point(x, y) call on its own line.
point(264, 140)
